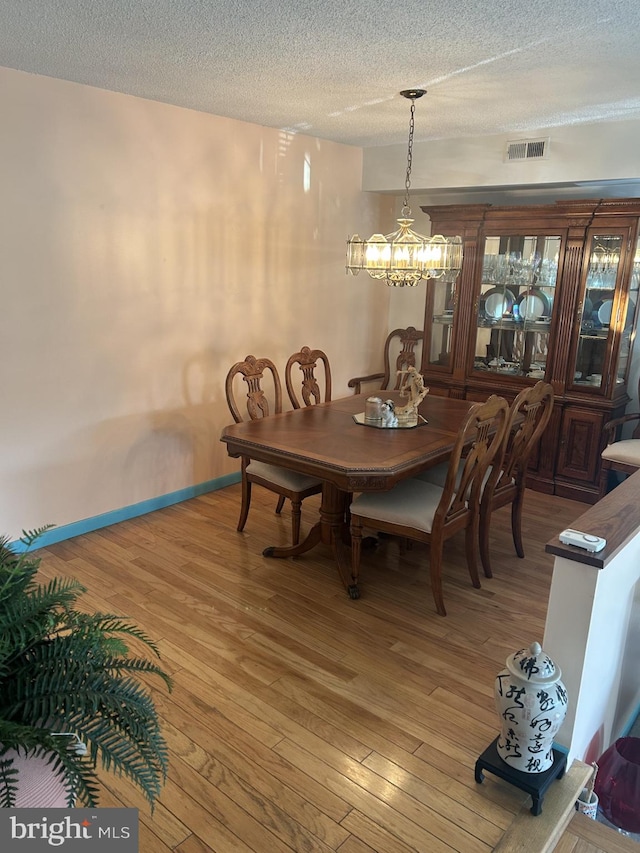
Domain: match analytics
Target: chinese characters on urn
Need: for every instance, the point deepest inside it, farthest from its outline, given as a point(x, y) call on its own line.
point(531, 702)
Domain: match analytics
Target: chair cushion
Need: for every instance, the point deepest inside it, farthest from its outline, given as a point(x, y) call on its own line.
point(627, 451)
point(412, 503)
point(282, 476)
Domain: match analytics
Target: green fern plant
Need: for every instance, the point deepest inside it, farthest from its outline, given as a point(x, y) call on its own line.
point(65, 671)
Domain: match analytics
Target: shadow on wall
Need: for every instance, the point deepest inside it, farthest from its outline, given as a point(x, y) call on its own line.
point(177, 447)
point(162, 458)
point(118, 462)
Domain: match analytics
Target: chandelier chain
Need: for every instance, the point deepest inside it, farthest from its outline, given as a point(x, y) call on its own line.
point(404, 258)
point(406, 210)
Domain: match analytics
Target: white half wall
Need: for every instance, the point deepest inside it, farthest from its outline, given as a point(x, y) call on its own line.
point(591, 632)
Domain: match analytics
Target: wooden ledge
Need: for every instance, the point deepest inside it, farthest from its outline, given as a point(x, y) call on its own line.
point(529, 834)
point(615, 517)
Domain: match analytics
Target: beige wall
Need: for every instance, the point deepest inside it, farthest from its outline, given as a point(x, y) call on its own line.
point(579, 157)
point(144, 248)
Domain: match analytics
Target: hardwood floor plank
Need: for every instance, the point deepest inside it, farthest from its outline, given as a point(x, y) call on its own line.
point(360, 722)
point(231, 741)
point(354, 845)
point(211, 831)
point(255, 821)
point(602, 838)
point(403, 757)
point(224, 696)
point(459, 766)
point(444, 666)
point(193, 844)
point(374, 796)
point(214, 645)
point(381, 840)
point(459, 813)
point(283, 811)
point(567, 844)
point(160, 830)
point(461, 700)
point(435, 787)
point(422, 719)
point(273, 779)
point(304, 721)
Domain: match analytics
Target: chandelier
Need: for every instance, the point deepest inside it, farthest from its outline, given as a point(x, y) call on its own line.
point(605, 258)
point(404, 258)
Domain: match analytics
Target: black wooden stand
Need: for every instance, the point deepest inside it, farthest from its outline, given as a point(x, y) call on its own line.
point(535, 784)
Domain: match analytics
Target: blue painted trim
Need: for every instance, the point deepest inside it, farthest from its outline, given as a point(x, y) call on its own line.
point(87, 525)
point(561, 748)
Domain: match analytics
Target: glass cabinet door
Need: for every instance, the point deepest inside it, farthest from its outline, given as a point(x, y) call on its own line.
point(626, 345)
point(605, 310)
point(441, 303)
point(515, 304)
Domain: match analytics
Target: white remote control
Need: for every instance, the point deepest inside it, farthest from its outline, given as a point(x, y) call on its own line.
point(582, 540)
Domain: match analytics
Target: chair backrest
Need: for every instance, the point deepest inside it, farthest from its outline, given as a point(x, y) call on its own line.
point(253, 371)
point(307, 360)
point(479, 441)
point(400, 345)
point(528, 418)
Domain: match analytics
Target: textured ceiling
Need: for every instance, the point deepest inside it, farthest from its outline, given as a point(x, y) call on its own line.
point(333, 68)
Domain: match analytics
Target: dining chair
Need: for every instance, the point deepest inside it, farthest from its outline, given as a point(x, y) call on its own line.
point(415, 509)
point(307, 360)
point(505, 479)
point(621, 455)
point(528, 417)
point(285, 483)
point(399, 354)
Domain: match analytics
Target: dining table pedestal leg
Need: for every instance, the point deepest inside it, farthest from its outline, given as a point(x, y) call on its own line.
point(331, 530)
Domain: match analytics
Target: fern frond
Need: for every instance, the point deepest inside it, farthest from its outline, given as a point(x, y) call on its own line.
point(108, 623)
point(113, 714)
point(32, 616)
point(143, 758)
point(8, 783)
point(29, 537)
point(63, 670)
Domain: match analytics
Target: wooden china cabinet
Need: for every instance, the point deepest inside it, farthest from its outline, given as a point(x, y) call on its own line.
point(545, 292)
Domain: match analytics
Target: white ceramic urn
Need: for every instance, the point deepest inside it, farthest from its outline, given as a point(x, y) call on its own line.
point(531, 702)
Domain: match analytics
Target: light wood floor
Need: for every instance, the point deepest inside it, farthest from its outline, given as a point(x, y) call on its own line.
point(301, 720)
point(589, 836)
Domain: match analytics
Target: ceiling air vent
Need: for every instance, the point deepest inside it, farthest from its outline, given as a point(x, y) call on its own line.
point(527, 149)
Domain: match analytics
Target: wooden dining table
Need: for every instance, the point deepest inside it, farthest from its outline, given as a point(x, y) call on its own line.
point(326, 442)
